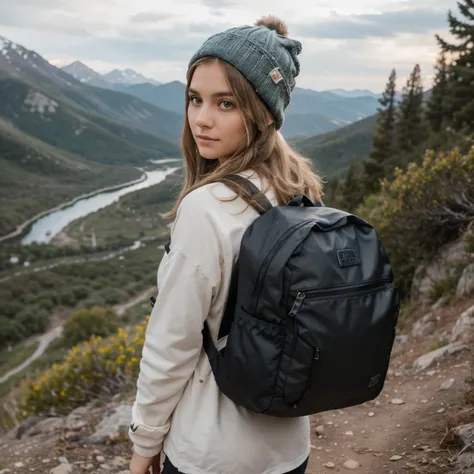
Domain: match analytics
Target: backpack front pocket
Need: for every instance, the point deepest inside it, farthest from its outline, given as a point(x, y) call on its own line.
point(252, 360)
point(343, 341)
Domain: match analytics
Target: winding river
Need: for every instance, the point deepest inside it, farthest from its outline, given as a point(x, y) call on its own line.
point(45, 228)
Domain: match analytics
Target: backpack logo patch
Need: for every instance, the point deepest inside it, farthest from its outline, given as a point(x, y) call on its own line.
point(133, 427)
point(374, 380)
point(347, 258)
point(275, 74)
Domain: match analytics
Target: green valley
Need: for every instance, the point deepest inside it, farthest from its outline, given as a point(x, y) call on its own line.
point(36, 176)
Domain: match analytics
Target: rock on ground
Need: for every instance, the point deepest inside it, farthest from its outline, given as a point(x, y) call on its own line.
point(424, 326)
point(426, 360)
point(464, 325)
point(116, 422)
point(466, 282)
point(464, 434)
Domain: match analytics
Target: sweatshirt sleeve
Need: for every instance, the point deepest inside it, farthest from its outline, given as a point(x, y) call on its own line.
point(188, 279)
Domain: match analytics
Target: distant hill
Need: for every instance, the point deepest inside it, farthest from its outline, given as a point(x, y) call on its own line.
point(305, 125)
point(332, 152)
point(354, 93)
point(169, 96)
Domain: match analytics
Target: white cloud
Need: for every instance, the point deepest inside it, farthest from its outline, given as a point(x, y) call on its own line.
point(348, 44)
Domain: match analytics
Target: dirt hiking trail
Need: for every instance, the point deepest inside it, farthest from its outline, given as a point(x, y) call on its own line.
point(398, 433)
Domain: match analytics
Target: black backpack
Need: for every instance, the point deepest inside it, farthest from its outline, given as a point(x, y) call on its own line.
point(311, 314)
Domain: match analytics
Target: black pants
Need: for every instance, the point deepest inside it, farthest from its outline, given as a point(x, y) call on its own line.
point(168, 468)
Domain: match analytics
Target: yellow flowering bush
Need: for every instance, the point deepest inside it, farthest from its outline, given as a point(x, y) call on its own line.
point(95, 368)
point(423, 208)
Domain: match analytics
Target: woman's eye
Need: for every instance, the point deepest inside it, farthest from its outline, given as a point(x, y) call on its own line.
point(193, 99)
point(227, 104)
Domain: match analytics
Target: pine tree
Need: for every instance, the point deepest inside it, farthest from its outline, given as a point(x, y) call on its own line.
point(383, 137)
point(436, 111)
point(353, 192)
point(459, 102)
point(409, 128)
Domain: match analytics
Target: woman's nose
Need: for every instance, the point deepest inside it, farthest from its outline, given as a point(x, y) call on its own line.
point(204, 117)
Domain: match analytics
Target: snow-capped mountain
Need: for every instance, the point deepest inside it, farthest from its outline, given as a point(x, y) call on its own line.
point(17, 61)
point(110, 80)
point(128, 77)
point(81, 72)
point(12, 53)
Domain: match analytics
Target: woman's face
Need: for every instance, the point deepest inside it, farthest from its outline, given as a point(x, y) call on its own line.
point(213, 114)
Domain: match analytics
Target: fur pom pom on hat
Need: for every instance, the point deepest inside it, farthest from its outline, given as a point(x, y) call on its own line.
point(265, 55)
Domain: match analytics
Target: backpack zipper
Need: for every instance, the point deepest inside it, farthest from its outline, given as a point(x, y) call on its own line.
point(292, 314)
point(343, 290)
point(268, 259)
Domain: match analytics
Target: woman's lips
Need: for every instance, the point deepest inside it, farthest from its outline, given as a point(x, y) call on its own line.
point(204, 139)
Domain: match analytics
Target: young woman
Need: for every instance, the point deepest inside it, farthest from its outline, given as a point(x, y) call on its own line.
point(239, 84)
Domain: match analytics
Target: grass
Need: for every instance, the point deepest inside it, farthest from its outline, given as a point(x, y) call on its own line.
point(438, 345)
point(19, 353)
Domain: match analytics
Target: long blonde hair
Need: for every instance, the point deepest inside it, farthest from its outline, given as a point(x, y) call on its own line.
point(266, 152)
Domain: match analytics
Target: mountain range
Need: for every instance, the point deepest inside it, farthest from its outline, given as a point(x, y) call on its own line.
point(310, 112)
point(109, 80)
point(61, 135)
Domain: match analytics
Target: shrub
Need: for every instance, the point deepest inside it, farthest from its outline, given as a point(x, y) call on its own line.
point(96, 368)
point(10, 331)
point(434, 202)
point(423, 208)
point(84, 323)
point(67, 298)
point(34, 320)
point(10, 308)
point(114, 296)
point(80, 292)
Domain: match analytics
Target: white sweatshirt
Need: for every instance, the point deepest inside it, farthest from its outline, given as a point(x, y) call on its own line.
point(179, 409)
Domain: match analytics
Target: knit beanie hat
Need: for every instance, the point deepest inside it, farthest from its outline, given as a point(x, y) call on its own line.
point(264, 55)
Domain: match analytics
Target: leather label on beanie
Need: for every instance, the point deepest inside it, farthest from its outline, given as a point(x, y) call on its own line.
point(276, 75)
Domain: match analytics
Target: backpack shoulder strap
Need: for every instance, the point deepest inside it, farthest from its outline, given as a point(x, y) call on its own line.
point(251, 194)
point(255, 198)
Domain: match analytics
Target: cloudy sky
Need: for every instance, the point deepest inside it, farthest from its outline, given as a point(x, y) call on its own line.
point(349, 44)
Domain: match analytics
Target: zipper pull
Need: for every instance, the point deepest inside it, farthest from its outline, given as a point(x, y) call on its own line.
point(300, 296)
